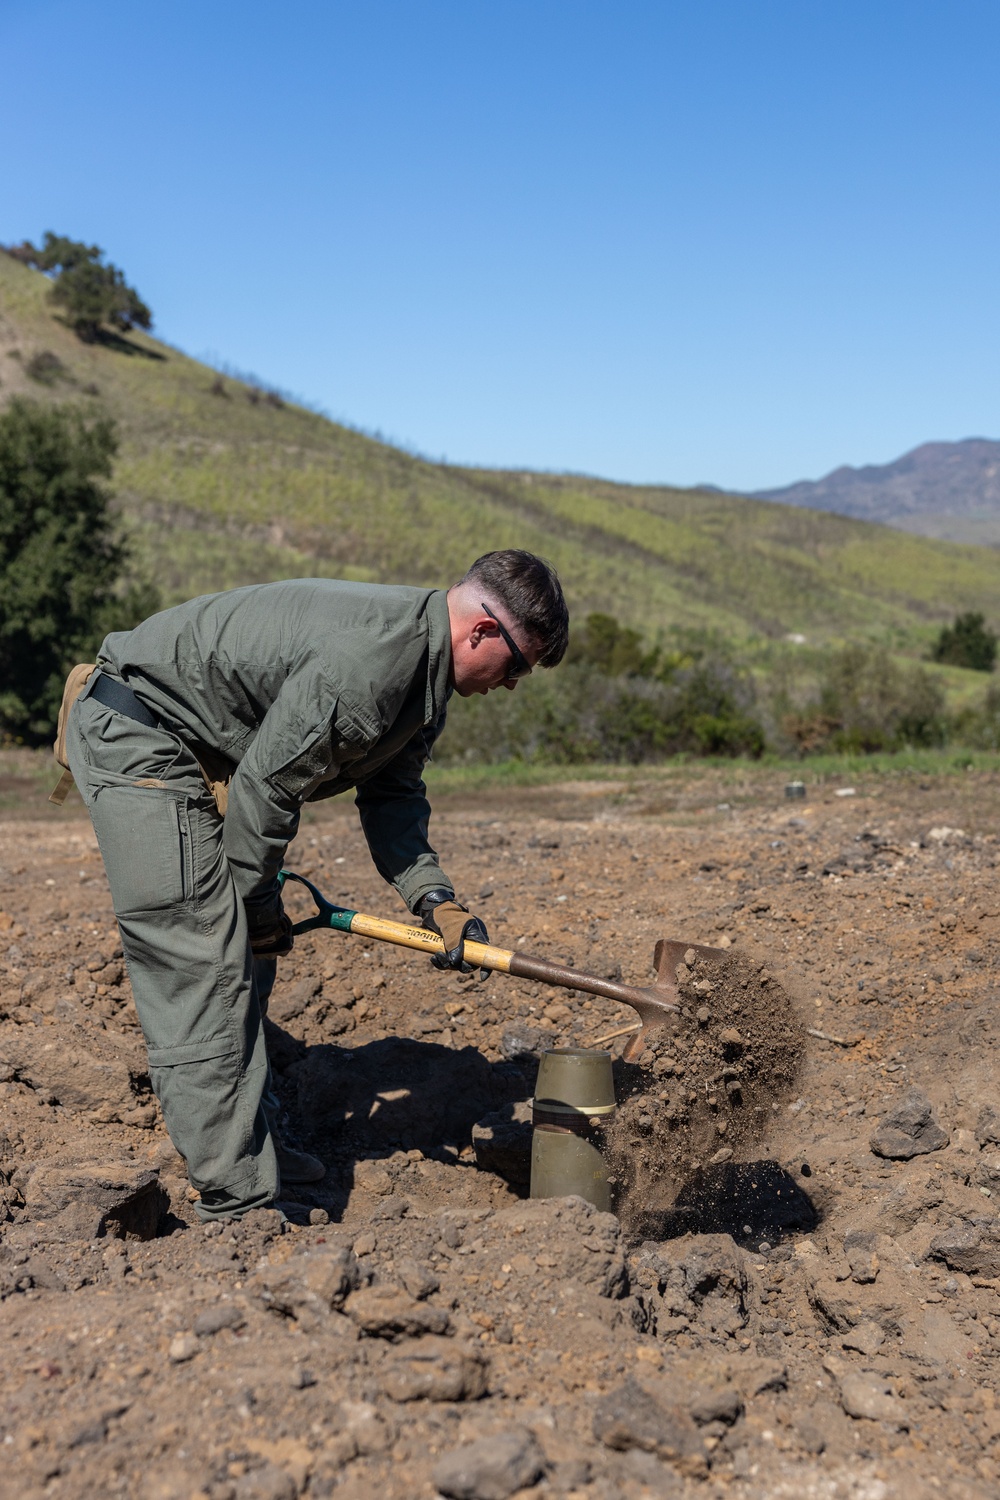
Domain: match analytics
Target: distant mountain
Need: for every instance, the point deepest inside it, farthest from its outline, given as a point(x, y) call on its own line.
point(946, 490)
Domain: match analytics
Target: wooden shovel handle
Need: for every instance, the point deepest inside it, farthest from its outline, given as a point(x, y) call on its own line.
point(479, 955)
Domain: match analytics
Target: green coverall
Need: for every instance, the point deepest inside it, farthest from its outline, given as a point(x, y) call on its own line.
point(305, 689)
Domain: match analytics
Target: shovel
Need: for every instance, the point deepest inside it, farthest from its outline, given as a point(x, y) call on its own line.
point(655, 1005)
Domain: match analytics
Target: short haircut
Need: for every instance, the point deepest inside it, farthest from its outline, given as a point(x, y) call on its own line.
point(529, 590)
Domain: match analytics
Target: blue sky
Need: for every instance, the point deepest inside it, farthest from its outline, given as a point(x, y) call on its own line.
point(738, 241)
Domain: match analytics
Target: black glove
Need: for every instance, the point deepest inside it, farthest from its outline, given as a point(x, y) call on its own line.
point(269, 929)
point(441, 913)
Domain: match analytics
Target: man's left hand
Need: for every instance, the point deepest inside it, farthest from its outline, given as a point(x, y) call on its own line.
point(270, 930)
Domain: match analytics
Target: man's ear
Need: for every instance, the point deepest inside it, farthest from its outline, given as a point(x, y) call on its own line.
point(482, 629)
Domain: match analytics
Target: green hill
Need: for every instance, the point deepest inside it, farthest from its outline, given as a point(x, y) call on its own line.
point(223, 484)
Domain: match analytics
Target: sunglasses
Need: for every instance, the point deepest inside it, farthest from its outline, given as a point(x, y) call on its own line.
point(518, 666)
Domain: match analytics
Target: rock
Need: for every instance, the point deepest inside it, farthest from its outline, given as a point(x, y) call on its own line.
point(867, 1338)
point(502, 1143)
point(213, 1319)
point(386, 1312)
point(526, 1042)
point(418, 1280)
point(699, 1276)
point(908, 1130)
point(859, 1247)
point(972, 1247)
point(987, 1173)
point(833, 1300)
point(864, 1394)
point(492, 1468)
point(758, 1375)
point(436, 1369)
point(988, 1126)
point(722, 1405)
point(823, 1427)
point(307, 1287)
point(80, 1068)
point(183, 1346)
point(93, 1428)
point(631, 1418)
point(89, 1200)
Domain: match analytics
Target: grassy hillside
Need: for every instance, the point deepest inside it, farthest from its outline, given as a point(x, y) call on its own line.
point(222, 487)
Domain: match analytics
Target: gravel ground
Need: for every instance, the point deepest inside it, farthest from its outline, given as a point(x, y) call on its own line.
point(806, 1308)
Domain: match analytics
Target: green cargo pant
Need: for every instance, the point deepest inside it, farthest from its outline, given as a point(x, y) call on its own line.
point(184, 937)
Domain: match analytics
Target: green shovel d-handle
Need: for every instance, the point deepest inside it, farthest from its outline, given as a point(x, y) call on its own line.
point(327, 915)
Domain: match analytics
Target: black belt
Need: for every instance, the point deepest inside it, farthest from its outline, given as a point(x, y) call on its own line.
point(120, 697)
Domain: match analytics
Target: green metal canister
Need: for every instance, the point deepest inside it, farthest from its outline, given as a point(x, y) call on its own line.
point(574, 1096)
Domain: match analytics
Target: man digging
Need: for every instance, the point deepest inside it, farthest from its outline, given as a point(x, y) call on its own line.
point(276, 694)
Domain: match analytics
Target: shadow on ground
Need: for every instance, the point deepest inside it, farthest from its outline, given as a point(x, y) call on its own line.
point(752, 1201)
point(357, 1104)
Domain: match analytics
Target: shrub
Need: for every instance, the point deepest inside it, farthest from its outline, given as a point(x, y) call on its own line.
point(62, 564)
point(868, 702)
point(979, 727)
point(45, 367)
point(967, 643)
point(581, 712)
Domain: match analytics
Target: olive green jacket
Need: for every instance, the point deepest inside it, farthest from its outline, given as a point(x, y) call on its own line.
point(306, 688)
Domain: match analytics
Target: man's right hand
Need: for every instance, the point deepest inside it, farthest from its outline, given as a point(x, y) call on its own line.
point(270, 930)
point(441, 913)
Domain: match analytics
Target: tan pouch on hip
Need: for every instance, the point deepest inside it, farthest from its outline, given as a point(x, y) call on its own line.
point(75, 684)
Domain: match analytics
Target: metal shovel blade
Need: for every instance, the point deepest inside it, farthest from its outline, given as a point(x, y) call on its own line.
point(661, 1001)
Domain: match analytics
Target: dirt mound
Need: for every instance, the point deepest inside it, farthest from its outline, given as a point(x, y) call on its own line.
point(709, 1093)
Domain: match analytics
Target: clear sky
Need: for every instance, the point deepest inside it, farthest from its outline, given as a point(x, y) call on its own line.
point(738, 241)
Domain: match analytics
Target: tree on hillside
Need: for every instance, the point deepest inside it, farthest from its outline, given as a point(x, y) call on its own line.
point(967, 643)
point(93, 292)
point(62, 562)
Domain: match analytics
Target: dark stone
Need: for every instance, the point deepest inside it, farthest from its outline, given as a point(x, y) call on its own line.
point(436, 1369)
point(88, 1200)
point(213, 1319)
point(527, 1042)
point(386, 1312)
point(988, 1126)
point(722, 1405)
point(908, 1130)
point(307, 1287)
point(492, 1468)
point(631, 1418)
point(972, 1247)
point(418, 1280)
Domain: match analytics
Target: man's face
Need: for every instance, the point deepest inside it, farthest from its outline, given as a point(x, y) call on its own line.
point(482, 660)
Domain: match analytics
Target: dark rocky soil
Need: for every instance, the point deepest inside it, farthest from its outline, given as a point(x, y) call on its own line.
point(778, 1309)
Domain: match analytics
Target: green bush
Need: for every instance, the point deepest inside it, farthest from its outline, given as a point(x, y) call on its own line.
point(613, 700)
point(967, 643)
point(867, 702)
point(62, 564)
point(979, 727)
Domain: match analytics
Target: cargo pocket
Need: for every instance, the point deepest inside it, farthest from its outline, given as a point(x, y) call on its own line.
point(142, 835)
point(208, 1110)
